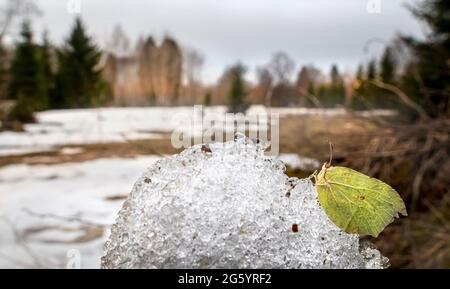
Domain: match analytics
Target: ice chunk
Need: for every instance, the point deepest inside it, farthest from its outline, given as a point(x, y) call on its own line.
point(228, 206)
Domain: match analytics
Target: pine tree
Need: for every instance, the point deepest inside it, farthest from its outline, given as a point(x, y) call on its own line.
point(46, 64)
point(410, 84)
point(237, 94)
point(4, 72)
point(332, 94)
point(431, 62)
point(79, 81)
point(358, 97)
point(387, 74)
point(207, 99)
point(370, 91)
point(360, 73)
point(372, 70)
point(387, 66)
point(27, 85)
point(337, 85)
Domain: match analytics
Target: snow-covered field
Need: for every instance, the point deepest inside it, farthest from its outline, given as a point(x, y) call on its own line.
point(103, 125)
point(47, 211)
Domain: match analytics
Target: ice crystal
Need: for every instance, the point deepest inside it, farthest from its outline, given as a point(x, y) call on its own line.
point(227, 205)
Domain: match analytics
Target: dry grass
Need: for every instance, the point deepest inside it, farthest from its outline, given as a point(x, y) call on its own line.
point(413, 158)
point(309, 135)
point(94, 151)
point(420, 241)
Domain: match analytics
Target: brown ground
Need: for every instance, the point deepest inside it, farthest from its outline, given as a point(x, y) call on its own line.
point(94, 151)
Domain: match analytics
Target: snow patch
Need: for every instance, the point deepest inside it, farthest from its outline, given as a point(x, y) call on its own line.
point(55, 209)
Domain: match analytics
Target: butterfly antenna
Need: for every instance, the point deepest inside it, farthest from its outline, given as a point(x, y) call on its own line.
point(331, 154)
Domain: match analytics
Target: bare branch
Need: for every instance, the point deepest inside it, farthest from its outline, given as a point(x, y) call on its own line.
point(15, 9)
point(403, 97)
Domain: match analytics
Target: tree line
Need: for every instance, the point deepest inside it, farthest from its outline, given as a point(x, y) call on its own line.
point(412, 75)
point(44, 77)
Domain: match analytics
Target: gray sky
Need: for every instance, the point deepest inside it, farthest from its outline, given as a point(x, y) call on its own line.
point(319, 32)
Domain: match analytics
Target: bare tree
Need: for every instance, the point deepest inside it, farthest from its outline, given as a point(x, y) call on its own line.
point(13, 10)
point(119, 44)
point(264, 77)
point(193, 63)
point(308, 75)
point(265, 84)
point(307, 79)
point(281, 67)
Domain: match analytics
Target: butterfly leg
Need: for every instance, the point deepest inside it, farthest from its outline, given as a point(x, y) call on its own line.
point(313, 176)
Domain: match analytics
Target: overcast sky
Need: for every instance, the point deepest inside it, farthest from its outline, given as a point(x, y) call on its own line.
point(319, 32)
